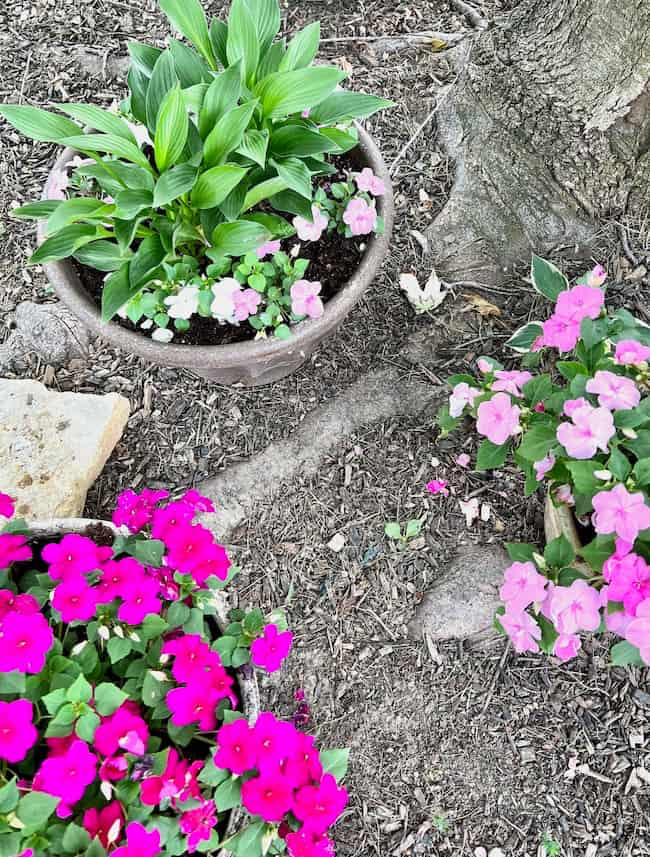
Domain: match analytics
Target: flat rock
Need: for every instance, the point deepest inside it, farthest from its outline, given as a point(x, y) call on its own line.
point(462, 604)
point(54, 445)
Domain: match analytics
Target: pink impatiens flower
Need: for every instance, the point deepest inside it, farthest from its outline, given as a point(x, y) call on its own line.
point(318, 807)
point(523, 585)
point(573, 405)
point(522, 629)
point(498, 419)
point(567, 646)
point(75, 600)
point(597, 276)
point(543, 466)
point(561, 333)
point(438, 486)
point(564, 495)
point(368, 182)
point(270, 796)
point(614, 391)
point(139, 843)
point(236, 747)
point(72, 557)
point(307, 231)
point(510, 382)
point(579, 303)
point(246, 303)
point(270, 650)
point(638, 631)
point(305, 299)
point(268, 249)
point(13, 548)
point(590, 430)
point(618, 511)
point(106, 824)
point(198, 823)
point(575, 608)
point(17, 732)
point(461, 396)
point(360, 217)
point(629, 352)
point(25, 643)
point(113, 769)
point(68, 775)
point(463, 460)
point(6, 506)
point(628, 577)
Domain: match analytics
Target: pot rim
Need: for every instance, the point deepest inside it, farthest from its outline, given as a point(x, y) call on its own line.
point(305, 335)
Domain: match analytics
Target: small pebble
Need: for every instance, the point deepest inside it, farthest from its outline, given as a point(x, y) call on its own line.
point(336, 543)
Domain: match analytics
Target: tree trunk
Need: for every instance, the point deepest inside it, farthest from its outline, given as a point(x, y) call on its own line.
point(548, 124)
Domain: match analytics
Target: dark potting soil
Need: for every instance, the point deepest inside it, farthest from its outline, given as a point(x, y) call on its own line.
point(332, 261)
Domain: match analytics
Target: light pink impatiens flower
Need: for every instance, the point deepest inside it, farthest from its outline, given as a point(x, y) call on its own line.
point(510, 382)
point(267, 249)
point(368, 182)
point(498, 419)
point(614, 392)
point(360, 217)
point(590, 430)
point(543, 466)
point(462, 396)
point(575, 608)
point(245, 303)
point(564, 495)
point(629, 352)
point(561, 333)
point(523, 630)
point(305, 299)
point(597, 276)
point(638, 631)
point(567, 646)
point(579, 303)
point(618, 511)
point(522, 585)
point(307, 231)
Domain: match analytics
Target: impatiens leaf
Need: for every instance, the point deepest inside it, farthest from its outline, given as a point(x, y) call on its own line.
point(520, 552)
point(547, 279)
point(598, 551)
point(559, 553)
point(538, 389)
point(8, 797)
point(490, 456)
point(538, 441)
point(35, 808)
point(335, 762)
point(75, 838)
point(86, 726)
point(393, 530)
point(153, 690)
point(79, 691)
point(522, 339)
point(228, 794)
point(108, 698)
point(118, 648)
point(12, 682)
point(624, 654)
point(248, 842)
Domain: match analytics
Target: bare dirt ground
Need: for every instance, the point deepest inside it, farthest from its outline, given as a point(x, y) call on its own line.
point(453, 749)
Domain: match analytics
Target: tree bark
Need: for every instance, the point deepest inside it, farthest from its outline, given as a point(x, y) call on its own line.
point(548, 124)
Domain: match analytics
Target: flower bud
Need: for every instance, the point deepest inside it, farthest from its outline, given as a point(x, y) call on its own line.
point(539, 560)
point(119, 632)
point(76, 650)
point(103, 633)
point(629, 433)
point(604, 475)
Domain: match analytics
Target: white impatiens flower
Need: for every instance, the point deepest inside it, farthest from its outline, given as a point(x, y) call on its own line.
point(223, 306)
point(162, 334)
point(183, 304)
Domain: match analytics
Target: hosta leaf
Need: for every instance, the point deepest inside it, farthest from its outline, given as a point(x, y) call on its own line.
point(190, 68)
point(36, 210)
point(222, 95)
point(131, 202)
point(277, 226)
point(298, 141)
point(266, 15)
point(243, 40)
point(64, 243)
point(73, 210)
point(143, 57)
point(116, 292)
point(227, 134)
point(188, 17)
point(239, 237)
point(101, 255)
point(110, 144)
point(174, 183)
point(254, 145)
point(39, 124)
point(171, 130)
point(147, 260)
point(284, 93)
point(163, 79)
point(302, 49)
point(219, 41)
point(292, 202)
point(214, 185)
point(264, 190)
point(348, 105)
point(295, 175)
point(99, 120)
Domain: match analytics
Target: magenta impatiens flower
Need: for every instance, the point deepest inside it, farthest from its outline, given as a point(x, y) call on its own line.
point(304, 843)
point(276, 741)
point(135, 511)
point(24, 603)
point(307, 231)
point(117, 577)
point(270, 796)
point(13, 548)
point(368, 182)
point(462, 396)
point(25, 644)
point(304, 765)
point(139, 843)
point(236, 747)
point(177, 782)
point(73, 557)
point(195, 703)
point(629, 352)
point(75, 600)
point(68, 775)
point(105, 824)
point(124, 726)
point(597, 276)
point(629, 580)
point(191, 657)
point(498, 419)
point(189, 545)
point(575, 608)
point(523, 585)
point(638, 631)
point(270, 650)
point(360, 217)
point(318, 807)
point(614, 392)
point(7, 507)
point(523, 630)
point(172, 515)
point(305, 299)
point(438, 486)
point(591, 429)
point(17, 732)
point(618, 511)
point(510, 382)
point(197, 501)
point(198, 823)
point(140, 600)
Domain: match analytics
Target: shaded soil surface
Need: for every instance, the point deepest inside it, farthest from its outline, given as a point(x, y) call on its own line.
point(454, 749)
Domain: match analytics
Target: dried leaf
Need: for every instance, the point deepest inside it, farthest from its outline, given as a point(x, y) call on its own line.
point(426, 299)
point(481, 306)
point(438, 44)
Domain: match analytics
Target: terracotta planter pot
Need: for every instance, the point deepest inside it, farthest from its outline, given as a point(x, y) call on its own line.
point(247, 363)
point(248, 689)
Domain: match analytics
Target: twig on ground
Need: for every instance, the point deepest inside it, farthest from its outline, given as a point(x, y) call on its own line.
point(495, 678)
point(625, 243)
point(24, 80)
point(475, 19)
point(423, 38)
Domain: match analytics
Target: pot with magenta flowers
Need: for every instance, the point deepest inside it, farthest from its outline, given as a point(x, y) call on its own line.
point(228, 216)
point(130, 720)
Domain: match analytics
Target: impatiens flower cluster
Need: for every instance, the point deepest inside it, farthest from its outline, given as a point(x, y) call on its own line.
point(122, 672)
point(579, 427)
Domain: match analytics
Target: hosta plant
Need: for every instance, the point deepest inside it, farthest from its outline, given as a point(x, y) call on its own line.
point(214, 155)
point(578, 424)
point(120, 727)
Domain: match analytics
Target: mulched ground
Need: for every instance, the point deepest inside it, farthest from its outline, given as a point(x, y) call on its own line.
point(454, 749)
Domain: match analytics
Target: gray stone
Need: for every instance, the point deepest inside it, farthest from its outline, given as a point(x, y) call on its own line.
point(52, 332)
point(376, 396)
point(54, 445)
point(462, 604)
